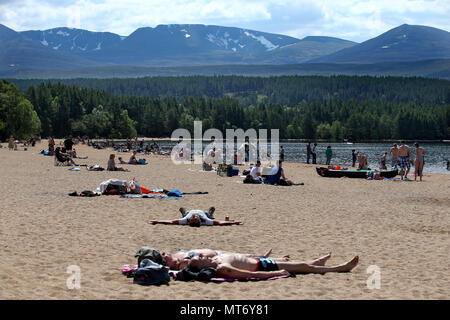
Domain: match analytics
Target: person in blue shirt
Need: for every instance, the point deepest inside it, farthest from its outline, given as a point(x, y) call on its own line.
point(277, 176)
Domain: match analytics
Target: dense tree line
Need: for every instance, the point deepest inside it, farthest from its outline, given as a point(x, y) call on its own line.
point(69, 110)
point(286, 90)
point(17, 115)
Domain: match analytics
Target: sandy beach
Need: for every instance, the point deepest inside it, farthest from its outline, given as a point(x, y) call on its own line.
point(402, 228)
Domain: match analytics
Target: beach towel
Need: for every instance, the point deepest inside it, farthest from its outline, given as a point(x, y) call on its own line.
point(149, 195)
point(249, 279)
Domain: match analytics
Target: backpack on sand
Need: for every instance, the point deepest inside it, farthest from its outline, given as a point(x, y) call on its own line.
point(151, 273)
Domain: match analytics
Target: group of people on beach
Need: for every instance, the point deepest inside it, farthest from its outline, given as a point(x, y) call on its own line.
point(13, 144)
point(276, 177)
point(401, 157)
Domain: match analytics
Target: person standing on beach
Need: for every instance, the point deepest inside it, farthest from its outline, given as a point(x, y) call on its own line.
point(404, 154)
point(11, 143)
point(308, 152)
point(354, 157)
point(314, 153)
point(329, 154)
point(281, 153)
point(394, 156)
point(383, 161)
point(420, 161)
point(51, 145)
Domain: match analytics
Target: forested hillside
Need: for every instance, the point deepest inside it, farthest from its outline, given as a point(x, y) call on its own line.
point(286, 90)
point(356, 108)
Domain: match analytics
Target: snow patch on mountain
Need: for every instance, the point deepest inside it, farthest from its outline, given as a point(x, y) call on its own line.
point(63, 33)
point(269, 45)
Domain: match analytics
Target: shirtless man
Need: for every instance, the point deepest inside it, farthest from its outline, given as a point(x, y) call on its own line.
point(394, 156)
point(181, 259)
point(405, 159)
point(238, 266)
point(197, 218)
point(420, 161)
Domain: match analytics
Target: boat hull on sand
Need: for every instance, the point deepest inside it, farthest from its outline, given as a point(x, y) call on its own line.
point(362, 174)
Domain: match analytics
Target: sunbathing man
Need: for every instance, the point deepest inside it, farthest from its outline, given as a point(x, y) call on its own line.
point(239, 266)
point(197, 218)
point(179, 260)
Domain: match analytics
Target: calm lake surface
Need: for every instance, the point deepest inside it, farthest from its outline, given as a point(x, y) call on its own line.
point(436, 157)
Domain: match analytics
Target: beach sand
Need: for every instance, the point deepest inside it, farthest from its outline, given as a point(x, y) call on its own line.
point(401, 227)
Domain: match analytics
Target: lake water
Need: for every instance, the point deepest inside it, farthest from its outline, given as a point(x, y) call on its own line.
point(436, 157)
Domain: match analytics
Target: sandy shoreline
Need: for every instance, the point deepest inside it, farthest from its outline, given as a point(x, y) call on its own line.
point(401, 227)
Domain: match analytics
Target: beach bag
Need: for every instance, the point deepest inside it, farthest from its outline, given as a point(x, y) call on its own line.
point(151, 273)
point(142, 161)
point(229, 171)
point(149, 253)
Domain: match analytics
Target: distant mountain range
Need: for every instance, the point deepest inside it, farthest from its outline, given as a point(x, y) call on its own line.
point(404, 43)
point(192, 48)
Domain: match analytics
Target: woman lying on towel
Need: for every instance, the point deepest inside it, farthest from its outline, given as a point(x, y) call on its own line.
point(197, 218)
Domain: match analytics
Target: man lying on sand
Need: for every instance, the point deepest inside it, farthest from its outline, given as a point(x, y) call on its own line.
point(180, 259)
point(239, 266)
point(197, 218)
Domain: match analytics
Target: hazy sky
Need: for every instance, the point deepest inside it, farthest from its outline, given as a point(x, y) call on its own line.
point(356, 20)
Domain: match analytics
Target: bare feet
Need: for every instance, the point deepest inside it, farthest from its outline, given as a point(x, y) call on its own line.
point(346, 267)
point(321, 261)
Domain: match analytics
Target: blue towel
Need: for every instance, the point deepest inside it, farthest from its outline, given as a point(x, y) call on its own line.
point(175, 193)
